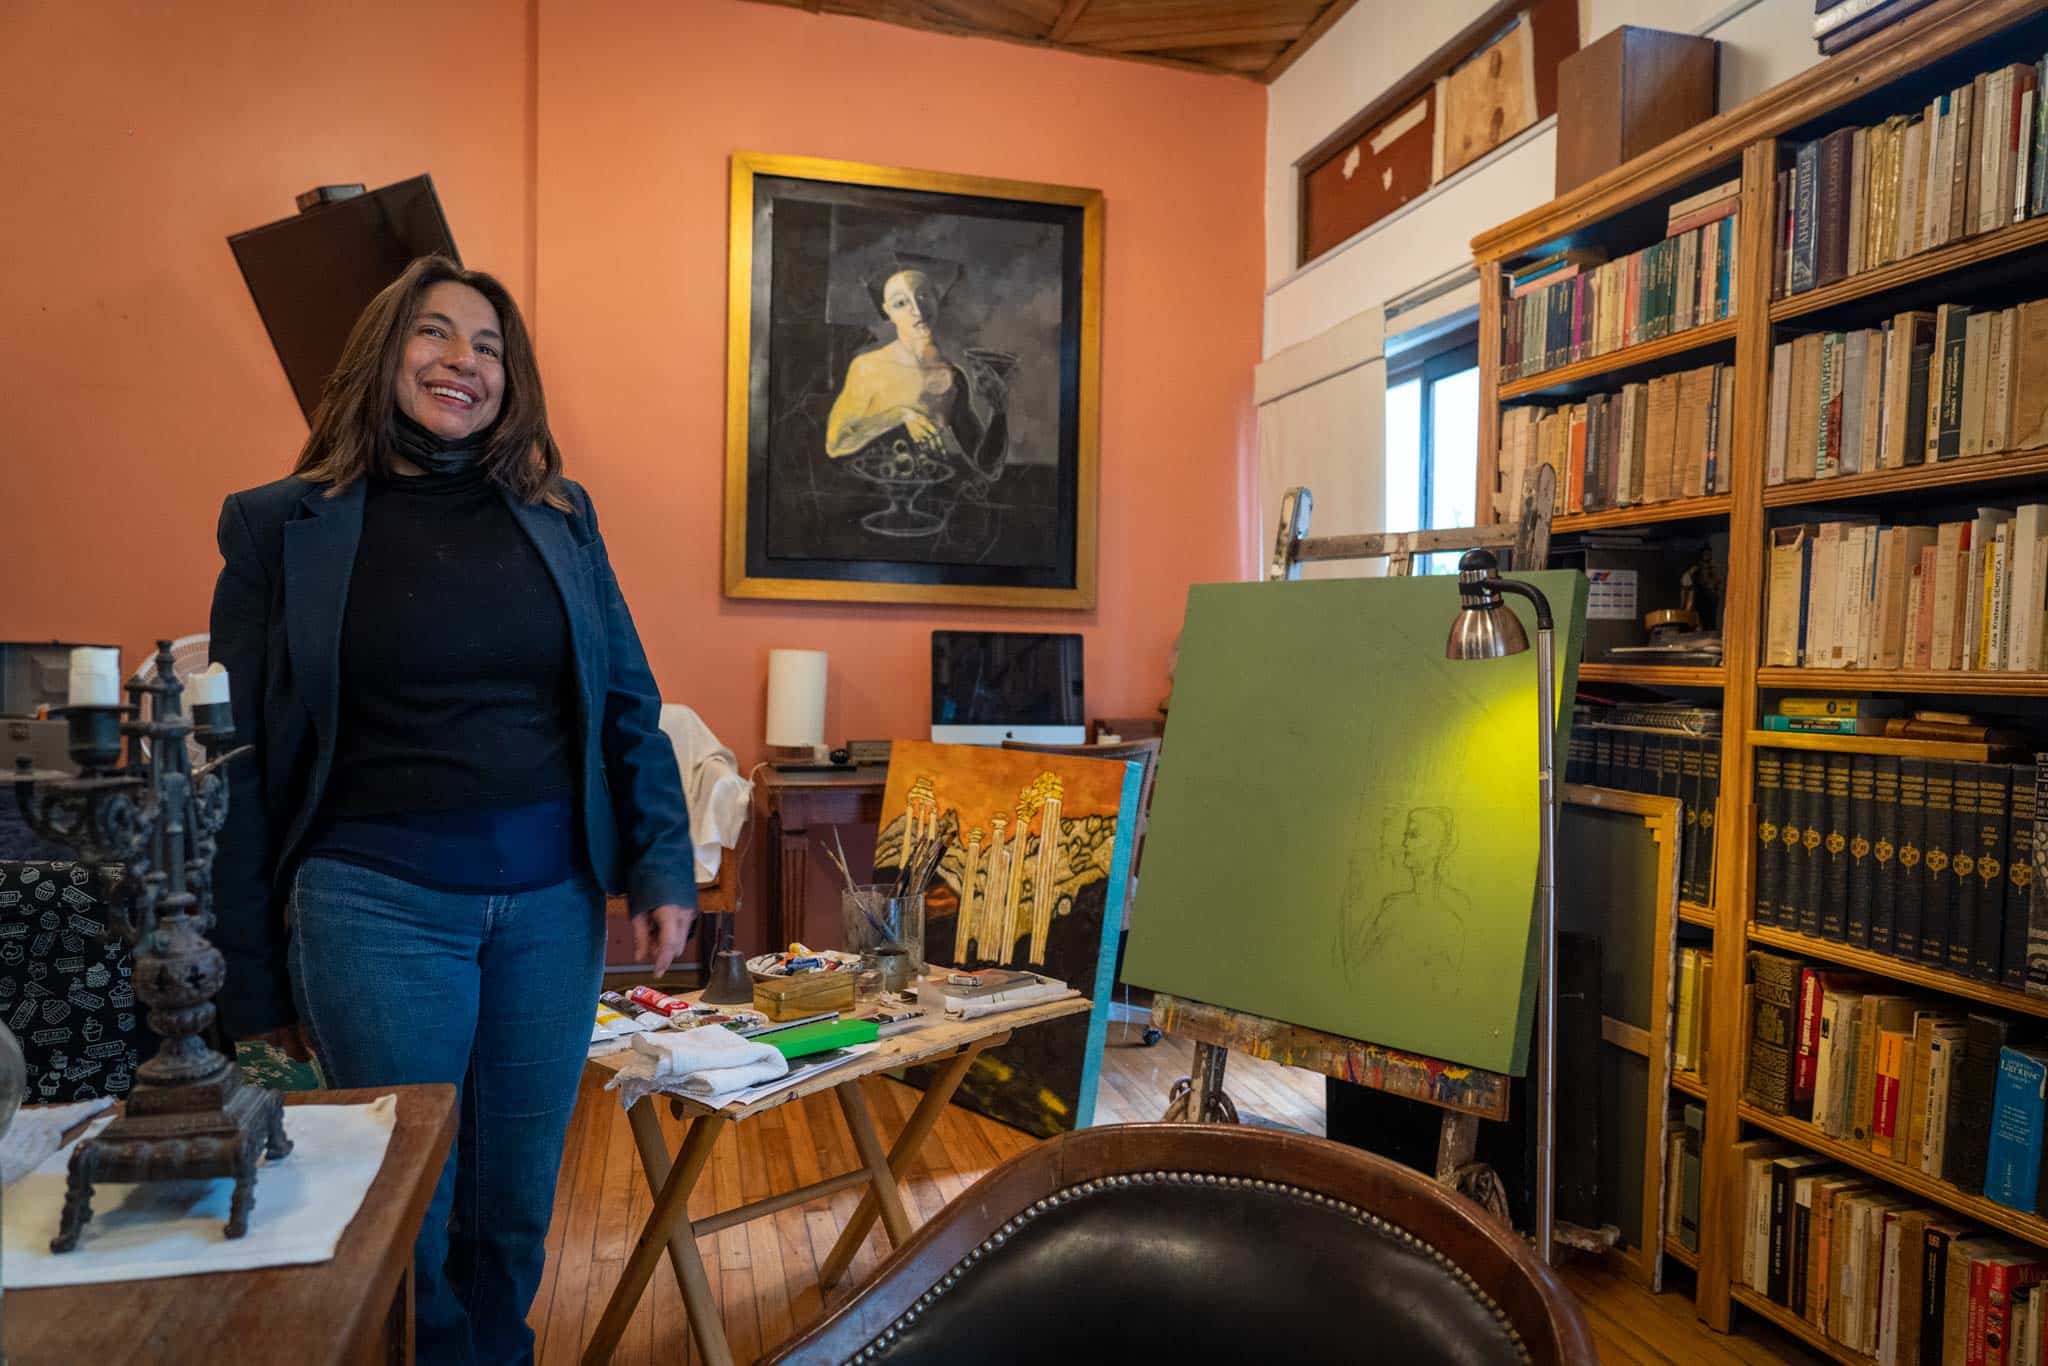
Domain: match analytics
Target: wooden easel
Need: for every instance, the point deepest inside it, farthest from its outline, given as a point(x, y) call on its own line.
point(1465, 1094)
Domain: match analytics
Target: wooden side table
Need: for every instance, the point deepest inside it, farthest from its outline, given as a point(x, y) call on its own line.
point(791, 803)
point(354, 1309)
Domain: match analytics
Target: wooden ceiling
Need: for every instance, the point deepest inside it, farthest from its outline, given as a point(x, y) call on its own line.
point(1255, 39)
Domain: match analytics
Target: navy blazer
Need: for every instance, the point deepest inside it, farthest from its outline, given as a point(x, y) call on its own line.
point(287, 551)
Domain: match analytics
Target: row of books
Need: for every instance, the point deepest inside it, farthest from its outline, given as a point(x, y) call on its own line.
point(1949, 1096)
point(1898, 1282)
point(1968, 595)
point(1588, 307)
point(1970, 162)
point(1922, 388)
point(1665, 438)
point(1665, 764)
point(1925, 860)
point(1695, 1010)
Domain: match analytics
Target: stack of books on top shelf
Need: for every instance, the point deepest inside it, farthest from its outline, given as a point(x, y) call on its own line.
point(1666, 438)
point(1839, 23)
point(1695, 993)
point(1573, 306)
point(1665, 763)
point(1859, 198)
point(1924, 388)
point(1850, 594)
point(1929, 861)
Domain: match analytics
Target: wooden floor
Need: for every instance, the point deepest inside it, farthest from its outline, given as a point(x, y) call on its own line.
point(765, 1273)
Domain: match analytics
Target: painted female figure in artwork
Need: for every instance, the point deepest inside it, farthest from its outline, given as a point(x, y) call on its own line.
point(908, 418)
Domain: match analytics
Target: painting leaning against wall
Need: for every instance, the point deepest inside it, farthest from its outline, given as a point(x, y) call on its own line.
point(1036, 863)
point(912, 386)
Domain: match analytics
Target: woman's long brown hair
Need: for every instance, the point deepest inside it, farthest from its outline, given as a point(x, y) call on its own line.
point(354, 428)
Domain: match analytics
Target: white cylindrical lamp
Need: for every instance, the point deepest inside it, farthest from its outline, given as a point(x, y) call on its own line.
point(796, 704)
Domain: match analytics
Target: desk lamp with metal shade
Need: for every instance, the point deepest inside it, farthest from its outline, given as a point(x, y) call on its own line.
point(1485, 629)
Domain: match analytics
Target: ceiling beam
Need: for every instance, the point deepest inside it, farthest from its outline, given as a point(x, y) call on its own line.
point(1190, 37)
point(1070, 15)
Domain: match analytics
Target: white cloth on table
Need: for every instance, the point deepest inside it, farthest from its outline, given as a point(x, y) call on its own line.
point(709, 1061)
point(38, 1131)
point(304, 1202)
point(718, 796)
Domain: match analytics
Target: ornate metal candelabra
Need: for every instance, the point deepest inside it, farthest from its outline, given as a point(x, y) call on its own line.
point(156, 817)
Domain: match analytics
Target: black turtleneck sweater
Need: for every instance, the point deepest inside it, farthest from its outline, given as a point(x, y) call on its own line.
point(457, 729)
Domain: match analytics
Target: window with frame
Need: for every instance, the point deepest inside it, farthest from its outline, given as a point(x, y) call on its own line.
point(1432, 450)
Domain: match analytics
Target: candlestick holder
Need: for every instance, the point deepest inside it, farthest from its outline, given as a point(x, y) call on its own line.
point(156, 817)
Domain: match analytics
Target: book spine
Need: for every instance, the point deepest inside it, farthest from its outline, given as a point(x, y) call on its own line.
point(1937, 885)
point(2025, 904)
point(1886, 908)
point(1835, 853)
point(1996, 958)
point(1805, 173)
point(1970, 1106)
point(1949, 436)
point(1792, 907)
point(1770, 824)
point(1911, 881)
point(1768, 1079)
point(1710, 807)
point(1806, 1058)
point(1863, 927)
point(1964, 921)
point(1813, 910)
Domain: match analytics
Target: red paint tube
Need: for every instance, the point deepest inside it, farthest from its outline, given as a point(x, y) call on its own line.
point(658, 1001)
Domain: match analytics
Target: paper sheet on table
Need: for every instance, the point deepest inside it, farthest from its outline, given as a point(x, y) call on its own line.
point(38, 1131)
point(635, 1080)
point(304, 1202)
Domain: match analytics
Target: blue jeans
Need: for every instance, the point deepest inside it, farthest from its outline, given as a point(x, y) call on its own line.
point(400, 984)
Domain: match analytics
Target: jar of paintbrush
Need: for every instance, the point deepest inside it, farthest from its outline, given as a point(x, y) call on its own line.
point(886, 930)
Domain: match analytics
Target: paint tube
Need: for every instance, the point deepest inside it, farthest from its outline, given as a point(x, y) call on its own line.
point(638, 1014)
point(658, 1001)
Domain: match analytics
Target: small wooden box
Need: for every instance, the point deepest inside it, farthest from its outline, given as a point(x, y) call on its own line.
point(1628, 91)
point(792, 998)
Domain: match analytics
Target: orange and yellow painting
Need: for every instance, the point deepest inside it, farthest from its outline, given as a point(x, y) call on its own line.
point(1032, 856)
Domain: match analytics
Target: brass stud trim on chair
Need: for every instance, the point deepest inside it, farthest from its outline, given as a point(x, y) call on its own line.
point(1015, 1225)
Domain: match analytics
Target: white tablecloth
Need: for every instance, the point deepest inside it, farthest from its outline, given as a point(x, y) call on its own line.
point(304, 1202)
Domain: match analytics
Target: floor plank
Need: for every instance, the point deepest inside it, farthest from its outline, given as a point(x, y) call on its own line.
point(764, 1274)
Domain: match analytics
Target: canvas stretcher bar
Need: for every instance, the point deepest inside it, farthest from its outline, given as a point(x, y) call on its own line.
point(1450, 1086)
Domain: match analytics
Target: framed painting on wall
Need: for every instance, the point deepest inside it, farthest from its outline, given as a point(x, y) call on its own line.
point(913, 364)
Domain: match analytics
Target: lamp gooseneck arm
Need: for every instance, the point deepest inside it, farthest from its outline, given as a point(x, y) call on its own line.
point(1523, 590)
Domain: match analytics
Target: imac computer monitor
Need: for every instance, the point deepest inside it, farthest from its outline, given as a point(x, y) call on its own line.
point(312, 274)
point(992, 686)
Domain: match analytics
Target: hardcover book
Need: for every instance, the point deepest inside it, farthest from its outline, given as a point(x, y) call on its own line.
point(1774, 983)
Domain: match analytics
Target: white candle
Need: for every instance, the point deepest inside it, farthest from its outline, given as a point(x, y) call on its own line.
point(95, 676)
point(209, 688)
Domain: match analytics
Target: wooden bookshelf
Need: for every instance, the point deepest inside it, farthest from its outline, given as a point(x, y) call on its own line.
point(1680, 1253)
point(1882, 744)
point(1646, 514)
point(2030, 1227)
point(1980, 683)
point(1798, 1327)
point(1621, 211)
point(1625, 358)
point(1898, 969)
point(1689, 1083)
point(1655, 675)
point(1972, 471)
point(1692, 913)
point(1928, 265)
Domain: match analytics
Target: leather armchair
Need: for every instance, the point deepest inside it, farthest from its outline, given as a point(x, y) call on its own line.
point(1199, 1243)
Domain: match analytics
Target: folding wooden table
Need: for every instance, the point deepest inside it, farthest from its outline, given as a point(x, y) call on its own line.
point(671, 1177)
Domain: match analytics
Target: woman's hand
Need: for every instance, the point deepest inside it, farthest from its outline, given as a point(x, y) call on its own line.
point(923, 431)
point(662, 932)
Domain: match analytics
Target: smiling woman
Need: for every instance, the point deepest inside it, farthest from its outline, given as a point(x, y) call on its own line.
point(455, 754)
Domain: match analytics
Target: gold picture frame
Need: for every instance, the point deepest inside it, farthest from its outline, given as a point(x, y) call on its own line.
point(988, 502)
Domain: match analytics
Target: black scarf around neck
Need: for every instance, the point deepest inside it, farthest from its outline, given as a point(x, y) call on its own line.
point(432, 453)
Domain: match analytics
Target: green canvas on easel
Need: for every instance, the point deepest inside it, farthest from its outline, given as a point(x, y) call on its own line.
point(1343, 834)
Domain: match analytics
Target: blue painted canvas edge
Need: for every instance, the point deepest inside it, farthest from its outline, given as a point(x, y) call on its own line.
point(1113, 904)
